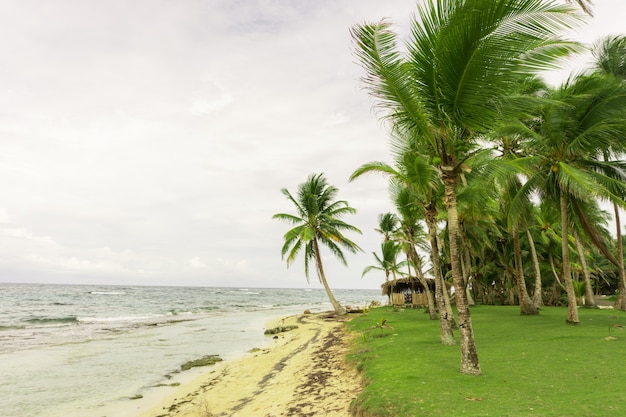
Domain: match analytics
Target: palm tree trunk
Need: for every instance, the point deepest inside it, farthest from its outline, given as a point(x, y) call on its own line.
point(525, 303)
point(620, 303)
point(469, 356)
point(339, 310)
point(590, 298)
point(466, 266)
point(538, 294)
point(572, 308)
point(387, 281)
point(446, 317)
point(417, 264)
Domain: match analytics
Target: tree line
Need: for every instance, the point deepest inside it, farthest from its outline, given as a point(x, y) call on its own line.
point(498, 178)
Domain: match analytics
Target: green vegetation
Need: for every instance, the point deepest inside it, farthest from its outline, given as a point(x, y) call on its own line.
point(317, 223)
point(281, 329)
point(532, 365)
point(203, 361)
point(506, 172)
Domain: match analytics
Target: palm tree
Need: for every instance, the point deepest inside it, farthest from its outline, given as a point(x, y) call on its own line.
point(411, 235)
point(610, 55)
point(508, 184)
point(390, 248)
point(414, 172)
point(388, 263)
point(570, 134)
point(464, 59)
point(317, 222)
point(387, 225)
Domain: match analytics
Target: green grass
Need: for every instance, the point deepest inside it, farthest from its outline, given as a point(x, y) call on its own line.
point(531, 365)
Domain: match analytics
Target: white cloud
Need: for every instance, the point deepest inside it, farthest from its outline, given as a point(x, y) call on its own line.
point(23, 234)
point(146, 142)
point(195, 262)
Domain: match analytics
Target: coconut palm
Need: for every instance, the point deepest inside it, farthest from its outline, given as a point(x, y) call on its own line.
point(464, 59)
point(317, 223)
point(387, 225)
point(414, 172)
point(610, 55)
point(527, 306)
point(388, 262)
point(570, 135)
point(411, 235)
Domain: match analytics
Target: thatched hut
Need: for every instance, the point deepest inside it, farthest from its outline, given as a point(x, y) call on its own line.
point(407, 291)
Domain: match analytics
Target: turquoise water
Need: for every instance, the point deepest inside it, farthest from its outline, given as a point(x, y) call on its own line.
point(68, 350)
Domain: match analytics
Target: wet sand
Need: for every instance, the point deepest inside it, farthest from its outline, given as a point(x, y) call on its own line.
point(302, 373)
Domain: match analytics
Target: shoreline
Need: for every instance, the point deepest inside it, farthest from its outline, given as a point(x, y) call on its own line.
point(302, 372)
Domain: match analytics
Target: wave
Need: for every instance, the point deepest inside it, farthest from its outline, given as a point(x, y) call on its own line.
point(120, 318)
point(52, 320)
point(11, 327)
point(107, 292)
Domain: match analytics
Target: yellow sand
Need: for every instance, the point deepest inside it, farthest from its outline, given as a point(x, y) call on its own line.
point(301, 374)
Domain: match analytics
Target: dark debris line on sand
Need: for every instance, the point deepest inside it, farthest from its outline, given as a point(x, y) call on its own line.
point(280, 365)
point(314, 387)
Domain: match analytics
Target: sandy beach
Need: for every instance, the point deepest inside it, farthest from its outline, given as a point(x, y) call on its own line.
point(302, 373)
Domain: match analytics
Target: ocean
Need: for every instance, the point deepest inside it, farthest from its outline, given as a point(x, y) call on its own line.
point(113, 351)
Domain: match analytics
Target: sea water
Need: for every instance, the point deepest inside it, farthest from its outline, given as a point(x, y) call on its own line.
point(76, 351)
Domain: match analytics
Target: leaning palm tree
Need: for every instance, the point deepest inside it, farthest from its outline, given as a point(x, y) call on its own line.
point(413, 171)
point(317, 223)
point(388, 261)
point(464, 59)
point(610, 56)
point(569, 137)
point(411, 235)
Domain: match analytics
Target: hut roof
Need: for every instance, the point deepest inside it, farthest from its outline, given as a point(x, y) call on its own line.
point(402, 284)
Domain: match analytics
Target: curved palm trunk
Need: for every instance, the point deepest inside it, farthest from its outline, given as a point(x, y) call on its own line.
point(417, 264)
point(620, 303)
point(466, 266)
point(572, 308)
point(538, 294)
point(446, 317)
point(469, 356)
point(339, 310)
point(590, 299)
point(525, 303)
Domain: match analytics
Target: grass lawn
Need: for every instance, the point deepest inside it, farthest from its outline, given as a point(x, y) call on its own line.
point(531, 365)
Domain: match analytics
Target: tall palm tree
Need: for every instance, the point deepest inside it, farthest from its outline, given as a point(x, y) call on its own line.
point(570, 135)
point(414, 172)
point(411, 235)
point(610, 55)
point(464, 58)
point(507, 183)
point(317, 223)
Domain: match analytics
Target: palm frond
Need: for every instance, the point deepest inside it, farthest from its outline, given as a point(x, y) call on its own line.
point(387, 77)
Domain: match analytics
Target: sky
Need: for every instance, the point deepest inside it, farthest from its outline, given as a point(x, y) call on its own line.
point(145, 142)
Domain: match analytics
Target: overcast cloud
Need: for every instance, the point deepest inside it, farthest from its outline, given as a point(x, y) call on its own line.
point(145, 142)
